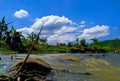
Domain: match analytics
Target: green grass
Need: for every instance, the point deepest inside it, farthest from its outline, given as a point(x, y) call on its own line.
point(54, 49)
point(5, 51)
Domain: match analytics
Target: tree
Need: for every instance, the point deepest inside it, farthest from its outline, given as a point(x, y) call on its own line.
point(12, 31)
point(3, 27)
point(77, 42)
point(70, 44)
point(31, 37)
point(43, 40)
point(95, 41)
point(83, 42)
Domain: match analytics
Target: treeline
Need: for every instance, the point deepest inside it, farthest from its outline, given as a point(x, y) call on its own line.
point(96, 46)
point(114, 45)
point(80, 46)
point(77, 46)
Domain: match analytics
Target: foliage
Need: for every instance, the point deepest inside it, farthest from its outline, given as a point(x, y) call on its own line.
point(77, 42)
point(45, 48)
point(95, 41)
point(83, 42)
point(43, 40)
point(12, 31)
point(31, 37)
point(3, 27)
point(111, 43)
point(4, 48)
point(2, 44)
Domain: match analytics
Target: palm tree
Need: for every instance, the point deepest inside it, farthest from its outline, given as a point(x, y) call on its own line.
point(12, 31)
point(3, 27)
point(31, 37)
point(43, 40)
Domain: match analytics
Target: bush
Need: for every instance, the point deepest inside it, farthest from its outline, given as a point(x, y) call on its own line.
point(2, 44)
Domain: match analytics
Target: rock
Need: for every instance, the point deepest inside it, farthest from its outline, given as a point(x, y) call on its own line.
point(33, 64)
point(33, 67)
point(72, 58)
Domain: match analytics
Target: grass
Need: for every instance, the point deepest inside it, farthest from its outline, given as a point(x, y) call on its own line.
point(5, 51)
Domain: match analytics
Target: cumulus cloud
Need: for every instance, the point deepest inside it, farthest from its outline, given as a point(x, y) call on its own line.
point(55, 28)
point(53, 39)
point(21, 13)
point(63, 30)
point(95, 32)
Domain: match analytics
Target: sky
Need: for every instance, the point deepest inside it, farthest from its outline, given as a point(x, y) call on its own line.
point(64, 20)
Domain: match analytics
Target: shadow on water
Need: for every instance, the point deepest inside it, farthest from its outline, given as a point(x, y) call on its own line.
point(90, 68)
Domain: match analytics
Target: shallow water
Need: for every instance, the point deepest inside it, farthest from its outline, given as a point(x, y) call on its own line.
point(102, 68)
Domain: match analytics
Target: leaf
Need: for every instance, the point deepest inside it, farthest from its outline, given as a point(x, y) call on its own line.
point(13, 30)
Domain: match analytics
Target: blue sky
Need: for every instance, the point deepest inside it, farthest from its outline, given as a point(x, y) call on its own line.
point(64, 20)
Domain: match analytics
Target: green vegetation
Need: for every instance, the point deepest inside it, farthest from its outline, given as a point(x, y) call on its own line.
point(108, 46)
point(78, 46)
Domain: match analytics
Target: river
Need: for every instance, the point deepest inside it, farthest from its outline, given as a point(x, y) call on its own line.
point(101, 68)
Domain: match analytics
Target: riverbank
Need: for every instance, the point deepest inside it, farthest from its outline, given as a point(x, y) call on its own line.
point(55, 49)
point(5, 51)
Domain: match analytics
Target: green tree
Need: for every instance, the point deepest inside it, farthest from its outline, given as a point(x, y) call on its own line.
point(95, 41)
point(77, 42)
point(61, 44)
point(12, 31)
point(3, 27)
point(43, 40)
point(83, 42)
point(31, 37)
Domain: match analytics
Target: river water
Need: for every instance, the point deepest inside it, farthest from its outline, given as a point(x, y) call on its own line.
point(101, 68)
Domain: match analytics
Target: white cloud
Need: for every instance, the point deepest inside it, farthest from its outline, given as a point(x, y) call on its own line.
point(53, 26)
point(21, 13)
point(61, 29)
point(65, 29)
point(83, 22)
point(95, 32)
point(60, 38)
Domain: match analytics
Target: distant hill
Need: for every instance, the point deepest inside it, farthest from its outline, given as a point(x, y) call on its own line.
point(115, 43)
